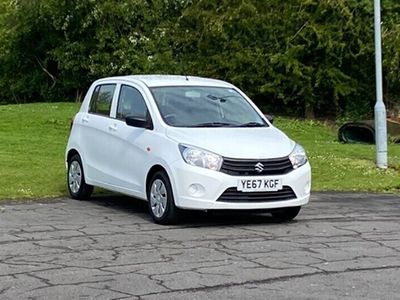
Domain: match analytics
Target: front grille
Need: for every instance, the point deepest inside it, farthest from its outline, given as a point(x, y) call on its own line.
point(243, 167)
point(234, 196)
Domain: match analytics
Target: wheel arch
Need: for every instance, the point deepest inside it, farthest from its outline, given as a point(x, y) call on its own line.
point(171, 211)
point(153, 170)
point(71, 153)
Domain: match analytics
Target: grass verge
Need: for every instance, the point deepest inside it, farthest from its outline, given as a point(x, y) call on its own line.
point(32, 144)
point(33, 139)
point(342, 167)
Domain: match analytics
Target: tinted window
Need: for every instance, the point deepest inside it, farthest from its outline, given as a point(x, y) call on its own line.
point(101, 99)
point(131, 103)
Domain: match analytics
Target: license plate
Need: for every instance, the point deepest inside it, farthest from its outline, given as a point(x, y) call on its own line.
point(259, 185)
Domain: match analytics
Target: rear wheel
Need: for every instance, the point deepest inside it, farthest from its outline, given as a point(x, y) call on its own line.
point(286, 214)
point(161, 199)
point(77, 187)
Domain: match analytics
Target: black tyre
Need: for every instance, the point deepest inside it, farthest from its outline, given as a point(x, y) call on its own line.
point(77, 187)
point(286, 214)
point(161, 200)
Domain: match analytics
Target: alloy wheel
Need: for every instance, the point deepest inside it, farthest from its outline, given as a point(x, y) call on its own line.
point(158, 198)
point(75, 177)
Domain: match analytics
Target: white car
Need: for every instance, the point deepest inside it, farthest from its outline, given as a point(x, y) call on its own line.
point(183, 142)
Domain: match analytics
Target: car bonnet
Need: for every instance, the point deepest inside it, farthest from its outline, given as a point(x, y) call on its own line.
point(248, 143)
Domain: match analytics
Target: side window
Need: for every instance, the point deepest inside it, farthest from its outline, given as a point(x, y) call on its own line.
point(101, 99)
point(131, 103)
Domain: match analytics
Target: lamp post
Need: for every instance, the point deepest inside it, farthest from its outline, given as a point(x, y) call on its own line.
point(380, 110)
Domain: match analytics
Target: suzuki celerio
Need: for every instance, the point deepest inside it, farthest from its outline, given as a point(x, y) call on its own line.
point(182, 142)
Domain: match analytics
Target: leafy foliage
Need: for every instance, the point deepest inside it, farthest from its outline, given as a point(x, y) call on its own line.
point(302, 57)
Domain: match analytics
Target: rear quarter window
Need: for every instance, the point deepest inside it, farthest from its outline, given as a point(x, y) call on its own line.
point(100, 103)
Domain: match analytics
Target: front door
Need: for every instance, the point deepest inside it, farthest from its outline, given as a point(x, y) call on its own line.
point(130, 144)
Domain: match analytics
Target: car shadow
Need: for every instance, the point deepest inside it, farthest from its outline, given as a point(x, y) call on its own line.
point(188, 218)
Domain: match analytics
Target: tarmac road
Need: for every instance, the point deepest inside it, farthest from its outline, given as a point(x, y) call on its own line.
point(341, 246)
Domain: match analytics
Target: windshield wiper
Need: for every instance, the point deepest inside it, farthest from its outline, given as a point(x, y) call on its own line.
point(253, 124)
point(214, 124)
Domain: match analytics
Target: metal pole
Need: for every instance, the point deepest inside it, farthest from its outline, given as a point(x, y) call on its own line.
point(380, 110)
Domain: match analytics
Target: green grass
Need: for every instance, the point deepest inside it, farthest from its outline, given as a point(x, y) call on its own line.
point(342, 167)
point(33, 139)
point(32, 144)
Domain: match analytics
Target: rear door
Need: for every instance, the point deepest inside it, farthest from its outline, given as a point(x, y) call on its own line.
point(95, 132)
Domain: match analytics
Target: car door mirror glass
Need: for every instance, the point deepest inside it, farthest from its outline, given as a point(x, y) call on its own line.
point(139, 122)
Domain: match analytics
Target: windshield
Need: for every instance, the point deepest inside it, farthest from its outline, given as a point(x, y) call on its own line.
point(185, 106)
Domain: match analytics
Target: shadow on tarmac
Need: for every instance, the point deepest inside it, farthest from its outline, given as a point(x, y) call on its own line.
point(189, 218)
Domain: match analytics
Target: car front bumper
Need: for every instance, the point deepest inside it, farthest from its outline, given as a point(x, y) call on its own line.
point(200, 189)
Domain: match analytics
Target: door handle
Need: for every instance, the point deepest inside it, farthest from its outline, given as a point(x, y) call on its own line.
point(112, 127)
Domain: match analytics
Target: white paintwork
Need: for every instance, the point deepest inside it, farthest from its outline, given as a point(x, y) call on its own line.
point(236, 142)
point(119, 157)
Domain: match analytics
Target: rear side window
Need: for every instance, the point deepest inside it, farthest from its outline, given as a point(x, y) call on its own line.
point(131, 103)
point(101, 99)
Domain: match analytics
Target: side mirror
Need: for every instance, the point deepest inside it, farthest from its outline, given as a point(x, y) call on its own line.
point(270, 118)
point(139, 122)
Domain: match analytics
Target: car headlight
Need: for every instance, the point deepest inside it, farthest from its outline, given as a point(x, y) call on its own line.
point(201, 158)
point(298, 157)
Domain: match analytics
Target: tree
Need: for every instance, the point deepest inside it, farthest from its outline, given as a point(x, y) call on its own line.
point(302, 57)
point(306, 55)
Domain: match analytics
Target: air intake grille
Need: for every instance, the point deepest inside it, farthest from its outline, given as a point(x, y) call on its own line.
point(234, 196)
point(243, 167)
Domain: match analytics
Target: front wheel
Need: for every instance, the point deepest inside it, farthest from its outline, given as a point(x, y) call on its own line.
point(77, 187)
point(286, 214)
point(161, 199)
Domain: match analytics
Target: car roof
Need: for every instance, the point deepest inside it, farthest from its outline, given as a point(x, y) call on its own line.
point(170, 80)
